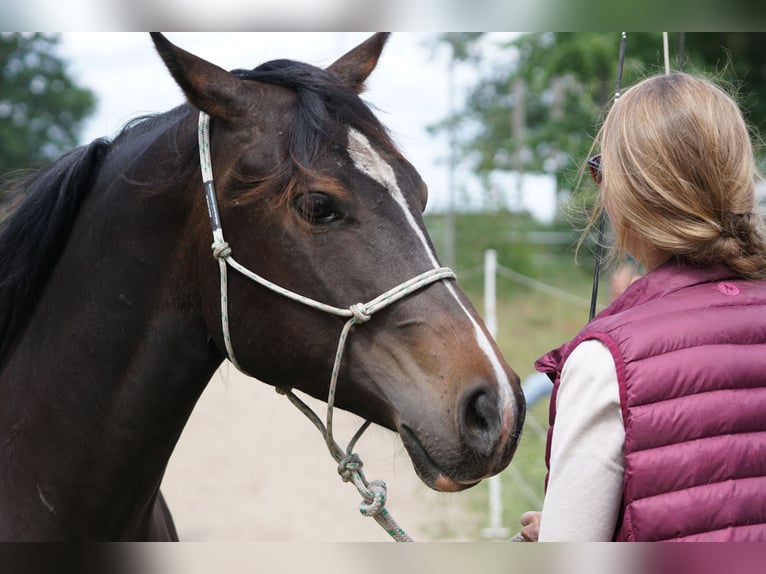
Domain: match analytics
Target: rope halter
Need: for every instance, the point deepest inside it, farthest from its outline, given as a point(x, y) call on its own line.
point(349, 463)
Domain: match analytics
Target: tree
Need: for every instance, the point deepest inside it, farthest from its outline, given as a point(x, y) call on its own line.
point(41, 108)
point(561, 82)
point(737, 58)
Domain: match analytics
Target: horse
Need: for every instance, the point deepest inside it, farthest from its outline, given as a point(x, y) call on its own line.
point(114, 313)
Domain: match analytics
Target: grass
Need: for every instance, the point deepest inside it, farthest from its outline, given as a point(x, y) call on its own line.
point(530, 322)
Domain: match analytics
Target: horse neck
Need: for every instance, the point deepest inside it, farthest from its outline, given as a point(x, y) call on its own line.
point(114, 357)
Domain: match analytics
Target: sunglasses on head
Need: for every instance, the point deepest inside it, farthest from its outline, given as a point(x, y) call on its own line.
point(594, 166)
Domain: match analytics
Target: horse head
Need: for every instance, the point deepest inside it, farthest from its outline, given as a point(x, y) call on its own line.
point(314, 196)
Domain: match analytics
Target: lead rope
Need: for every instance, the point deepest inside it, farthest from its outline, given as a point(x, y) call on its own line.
point(602, 218)
point(349, 463)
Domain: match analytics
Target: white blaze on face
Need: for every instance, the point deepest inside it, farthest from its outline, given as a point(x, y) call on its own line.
point(369, 162)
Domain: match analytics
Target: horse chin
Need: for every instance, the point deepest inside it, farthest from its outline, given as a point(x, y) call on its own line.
point(428, 471)
point(446, 484)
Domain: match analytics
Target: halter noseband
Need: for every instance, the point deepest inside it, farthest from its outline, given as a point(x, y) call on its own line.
point(349, 463)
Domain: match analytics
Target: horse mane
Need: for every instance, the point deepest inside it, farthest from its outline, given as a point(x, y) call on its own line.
point(34, 234)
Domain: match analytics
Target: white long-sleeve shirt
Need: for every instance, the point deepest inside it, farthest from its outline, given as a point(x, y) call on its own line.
point(587, 462)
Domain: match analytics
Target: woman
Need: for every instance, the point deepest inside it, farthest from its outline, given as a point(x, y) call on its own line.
point(658, 413)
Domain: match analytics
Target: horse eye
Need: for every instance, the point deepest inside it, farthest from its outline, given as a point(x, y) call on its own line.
point(315, 207)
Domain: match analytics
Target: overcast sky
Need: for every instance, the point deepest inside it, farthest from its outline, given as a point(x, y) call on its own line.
point(409, 89)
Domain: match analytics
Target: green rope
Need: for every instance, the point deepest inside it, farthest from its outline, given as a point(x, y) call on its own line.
point(349, 463)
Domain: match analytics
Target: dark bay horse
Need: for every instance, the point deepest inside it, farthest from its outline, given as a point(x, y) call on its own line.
point(110, 300)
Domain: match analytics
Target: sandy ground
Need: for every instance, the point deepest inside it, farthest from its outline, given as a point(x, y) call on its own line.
point(251, 467)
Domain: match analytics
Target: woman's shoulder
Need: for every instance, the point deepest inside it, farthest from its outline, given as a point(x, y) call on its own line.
point(590, 354)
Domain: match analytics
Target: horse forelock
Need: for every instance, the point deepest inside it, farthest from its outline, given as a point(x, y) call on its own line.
point(324, 110)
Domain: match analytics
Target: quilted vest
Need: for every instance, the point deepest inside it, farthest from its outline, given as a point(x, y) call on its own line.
point(689, 347)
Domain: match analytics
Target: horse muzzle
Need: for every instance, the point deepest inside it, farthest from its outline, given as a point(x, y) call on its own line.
point(478, 443)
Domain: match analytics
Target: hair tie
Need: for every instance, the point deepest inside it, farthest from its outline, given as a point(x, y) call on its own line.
point(736, 225)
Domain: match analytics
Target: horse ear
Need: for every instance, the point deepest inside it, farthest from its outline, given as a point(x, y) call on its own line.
point(208, 87)
point(354, 67)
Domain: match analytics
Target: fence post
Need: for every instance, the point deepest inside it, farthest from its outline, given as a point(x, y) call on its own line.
point(495, 528)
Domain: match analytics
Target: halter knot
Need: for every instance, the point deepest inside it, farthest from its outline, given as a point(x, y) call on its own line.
point(348, 465)
point(377, 502)
point(361, 315)
point(221, 249)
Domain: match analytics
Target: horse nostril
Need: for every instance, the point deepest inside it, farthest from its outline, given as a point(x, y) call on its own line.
point(476, 413)
point(481, 422)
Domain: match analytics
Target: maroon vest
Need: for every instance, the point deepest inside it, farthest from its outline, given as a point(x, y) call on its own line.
point(689, 346)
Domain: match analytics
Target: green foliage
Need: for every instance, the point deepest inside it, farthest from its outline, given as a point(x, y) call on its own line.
point(537, 108)
point(538, 250)
point(737, 59)
point(41, 109)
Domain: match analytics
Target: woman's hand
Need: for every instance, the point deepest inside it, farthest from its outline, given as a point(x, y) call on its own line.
point(531, 526)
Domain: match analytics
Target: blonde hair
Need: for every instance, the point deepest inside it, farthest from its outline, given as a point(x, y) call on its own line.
point(678, 175)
